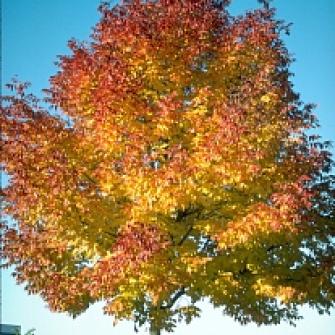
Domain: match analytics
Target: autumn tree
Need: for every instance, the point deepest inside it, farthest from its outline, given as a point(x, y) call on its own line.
point(179, 162)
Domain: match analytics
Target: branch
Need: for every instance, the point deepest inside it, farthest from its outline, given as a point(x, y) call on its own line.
point(182, 214)
point(89, 178)
point(172, 301)
point(187, 234)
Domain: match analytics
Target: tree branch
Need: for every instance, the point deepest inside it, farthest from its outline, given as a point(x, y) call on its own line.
point(89, 178)
point(187, 234)
point(172, 301)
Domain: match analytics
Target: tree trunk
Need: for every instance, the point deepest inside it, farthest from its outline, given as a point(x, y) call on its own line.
point(154, 331)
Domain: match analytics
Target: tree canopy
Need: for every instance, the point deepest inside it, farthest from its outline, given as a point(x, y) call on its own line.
point(178, 162)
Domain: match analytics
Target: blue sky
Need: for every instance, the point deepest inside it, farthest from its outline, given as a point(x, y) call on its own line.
point(35, 31)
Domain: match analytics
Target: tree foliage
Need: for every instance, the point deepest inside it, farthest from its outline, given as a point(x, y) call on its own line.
point(179, 165)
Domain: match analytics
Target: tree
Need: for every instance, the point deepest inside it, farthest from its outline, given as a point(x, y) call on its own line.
point(178, 165)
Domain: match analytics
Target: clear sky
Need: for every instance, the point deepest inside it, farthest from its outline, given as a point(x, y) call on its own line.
point(35, 31)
